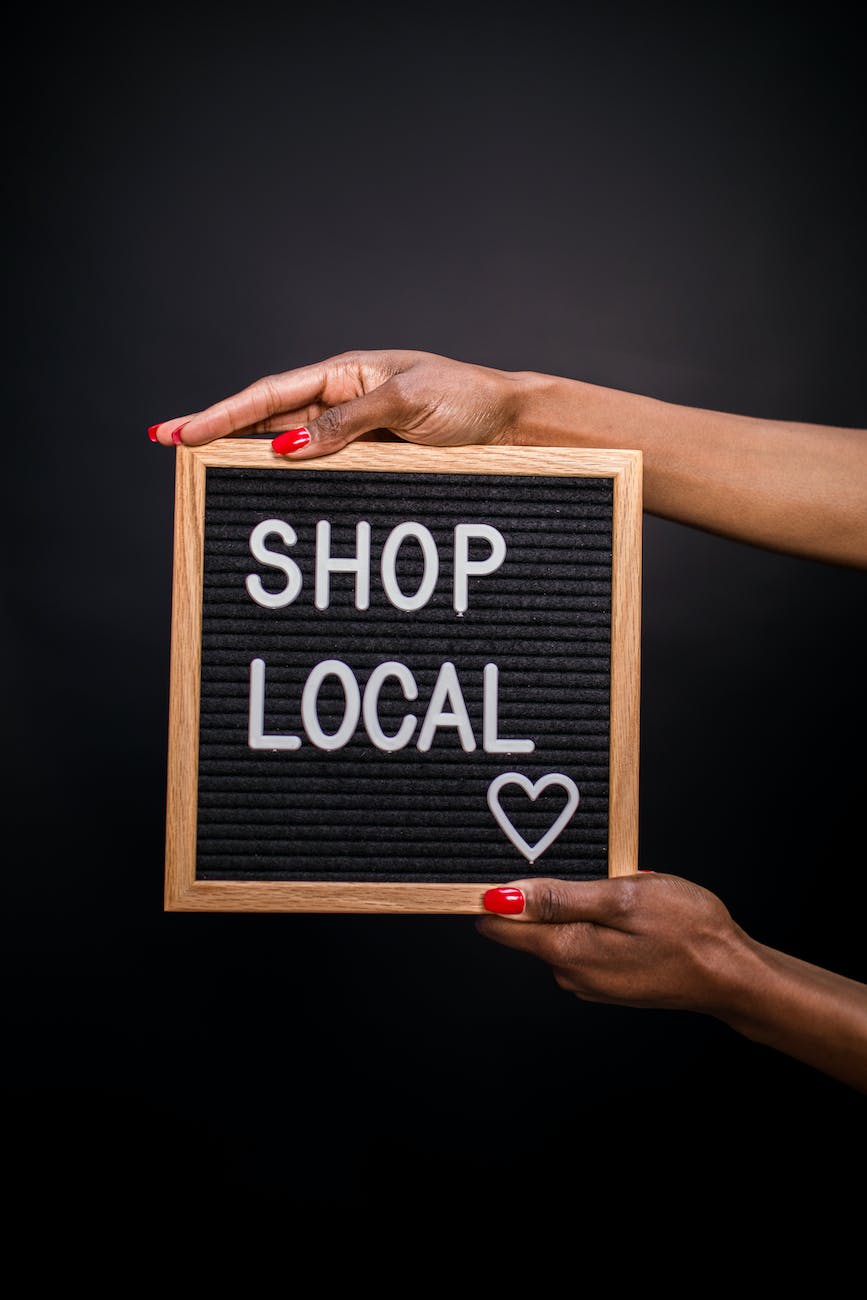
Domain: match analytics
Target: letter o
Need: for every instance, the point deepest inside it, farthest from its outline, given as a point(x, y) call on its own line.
point(393, 543)
point(310, 699)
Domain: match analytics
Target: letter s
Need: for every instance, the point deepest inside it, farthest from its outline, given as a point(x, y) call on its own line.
point(276, 560)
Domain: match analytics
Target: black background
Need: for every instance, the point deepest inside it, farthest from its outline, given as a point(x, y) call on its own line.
point(657, 199)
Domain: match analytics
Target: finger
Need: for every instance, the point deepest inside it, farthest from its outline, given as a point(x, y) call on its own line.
point(269, 396)
point(168, 432)
point(383, 408)
point(540, 940)
point(567, 946)
point(299, 418)
point(570, 980)
point(557, 902)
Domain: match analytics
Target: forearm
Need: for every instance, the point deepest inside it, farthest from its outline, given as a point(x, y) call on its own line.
point(809, 1013)
point(799, 488)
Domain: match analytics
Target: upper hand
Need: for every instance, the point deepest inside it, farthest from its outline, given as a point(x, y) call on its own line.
point(646, 940)
point(417, 395)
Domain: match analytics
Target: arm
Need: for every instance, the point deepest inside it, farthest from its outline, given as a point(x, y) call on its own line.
point(660, 941)
point(799, 488)
point(792, 487)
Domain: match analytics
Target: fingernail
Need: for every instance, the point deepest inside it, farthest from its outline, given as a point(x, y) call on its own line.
point(292, 440)
point(646, 871)
point(504, 899)
point(152, 432)
point(176, 433)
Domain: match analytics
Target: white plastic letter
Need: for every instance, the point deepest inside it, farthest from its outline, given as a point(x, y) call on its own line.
point(464, 566)
point(371, 705)
point(393, 543)
point(276, 559)
point(256, 737)
point(310, 699)
point(447, 688)
point(359, 564)
point(493, 743)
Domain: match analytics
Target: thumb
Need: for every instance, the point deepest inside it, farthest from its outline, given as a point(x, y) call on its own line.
point(339, 425)
point(557, 902)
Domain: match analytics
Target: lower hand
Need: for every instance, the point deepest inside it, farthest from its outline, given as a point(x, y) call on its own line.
point(646, 940)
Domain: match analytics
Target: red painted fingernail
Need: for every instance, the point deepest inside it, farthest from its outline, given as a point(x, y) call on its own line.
point(291, 440)
point(152, 432)
point(176, 433)
point(505, 899)
point(646, 871)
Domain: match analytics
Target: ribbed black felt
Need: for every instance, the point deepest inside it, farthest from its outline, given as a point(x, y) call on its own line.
point(359, 813)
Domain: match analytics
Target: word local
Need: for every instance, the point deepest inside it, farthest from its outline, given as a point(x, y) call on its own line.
point(446, 707)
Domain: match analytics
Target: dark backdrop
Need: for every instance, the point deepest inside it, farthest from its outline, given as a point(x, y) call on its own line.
point(650, 199)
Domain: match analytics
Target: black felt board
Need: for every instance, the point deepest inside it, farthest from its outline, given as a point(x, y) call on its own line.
point(362, 814)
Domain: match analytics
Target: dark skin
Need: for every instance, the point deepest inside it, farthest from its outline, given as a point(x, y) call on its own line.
point(647, 940)
point(652, 940)
point(800, 488)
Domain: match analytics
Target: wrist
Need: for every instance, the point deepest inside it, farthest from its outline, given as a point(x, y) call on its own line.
point(545, 410)
point(554, 412)
point(746, 982)
point(733, 967)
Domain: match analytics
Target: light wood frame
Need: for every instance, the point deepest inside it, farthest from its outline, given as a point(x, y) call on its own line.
point(183, 892)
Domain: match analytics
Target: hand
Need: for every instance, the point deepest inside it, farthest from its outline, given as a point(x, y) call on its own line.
point(650, 940)
point(792, 487)
point(642, 941)
point(417, 395)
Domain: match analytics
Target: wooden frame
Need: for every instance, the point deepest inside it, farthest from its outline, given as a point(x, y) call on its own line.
point(183, 892)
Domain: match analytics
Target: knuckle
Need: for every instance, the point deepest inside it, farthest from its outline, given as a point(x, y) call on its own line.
point(627, 899)
point(330, 423)
point(351, 364)
point(548, 902)
point(407, 402)
point(398, 388)
point(563, 978)
point(269, 387)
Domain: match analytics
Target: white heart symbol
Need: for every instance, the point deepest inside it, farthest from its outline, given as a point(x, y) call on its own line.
point(532, 851)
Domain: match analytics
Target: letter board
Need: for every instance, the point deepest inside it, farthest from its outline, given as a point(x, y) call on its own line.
point(400, 675)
